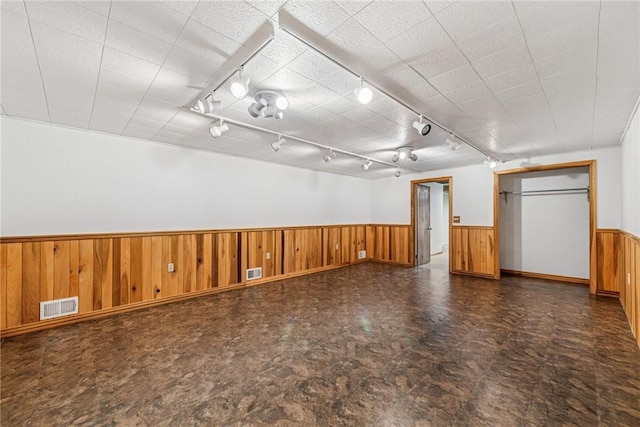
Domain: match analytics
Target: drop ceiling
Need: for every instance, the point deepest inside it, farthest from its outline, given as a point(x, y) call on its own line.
point(514, 79)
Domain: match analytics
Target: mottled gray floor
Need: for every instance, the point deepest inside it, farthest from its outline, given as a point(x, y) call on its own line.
point(364, 345)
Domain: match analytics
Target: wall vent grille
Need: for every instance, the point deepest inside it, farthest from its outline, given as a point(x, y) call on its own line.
point(58, 307)
point(254, 273)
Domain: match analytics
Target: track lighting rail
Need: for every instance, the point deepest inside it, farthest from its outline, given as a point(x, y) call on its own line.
point(303, 140)
point(344, 67)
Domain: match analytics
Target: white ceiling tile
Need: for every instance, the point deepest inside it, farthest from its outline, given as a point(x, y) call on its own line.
point(506, 60)
point(440, 61)
point(350, 40)
point(619, 84)
point(69, 17)
point(352, 6)
point(407, 85)
point(314, 66)
point(185, 7)
point(124, 81)
point(69, 66)
point(570, 83)
point(98, 6)
point(485, 107)
point(467, 17)
point(512, 78)
point(115, 99)
point(138, 68)
point(260, 68)
point(286, 80)
point(492, 39)
point(540, 17)
point(13, 6)
point(174, 88)
point(467, 93)
point(108, 121)
point(193, 65)
point(578, 58)
point(581, 32)
point(205, 42)
point(320, 17)
point(137, 131)
point(267, 7)
point(20, 72)
point(420, 40)
point(154, 109)
point(389, 19)
point(455, 79)
point(149, 17)
point(517, 92)
point(283, 49)
point(136, 43)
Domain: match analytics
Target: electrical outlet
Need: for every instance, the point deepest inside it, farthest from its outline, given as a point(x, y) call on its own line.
point(171, 268)
point(337, 246)
point(362, 254)
point(628, 278)
point(268, 255)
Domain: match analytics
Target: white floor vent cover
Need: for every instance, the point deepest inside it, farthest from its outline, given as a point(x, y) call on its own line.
point(58, 307)
point(254, 273)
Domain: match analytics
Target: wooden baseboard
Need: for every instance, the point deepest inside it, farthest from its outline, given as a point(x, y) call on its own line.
point(384, 261)
point(553, 277)
point(608, 294)
point(471, 273)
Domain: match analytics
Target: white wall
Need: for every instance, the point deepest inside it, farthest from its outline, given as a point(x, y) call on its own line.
point(545, 232)
point(473, 190)
point(630, 210)
point(435, 202)
point(57, 180)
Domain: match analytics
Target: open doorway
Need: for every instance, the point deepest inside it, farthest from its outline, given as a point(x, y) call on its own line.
point(431, 221)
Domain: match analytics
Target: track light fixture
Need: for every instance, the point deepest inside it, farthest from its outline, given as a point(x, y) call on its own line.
point(422, 128)
point(366, 165)
point(208, 104)
point(278, 144)
point(397, 173)
point(404, 153)
point(363, 94)
point(328, 157)
point(218, 129)
point(452, 143)
point(491, 162)
point(240, 87)
point(269, 103)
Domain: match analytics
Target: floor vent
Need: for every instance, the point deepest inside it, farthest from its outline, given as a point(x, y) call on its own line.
point(58, 307)
point(254, 273)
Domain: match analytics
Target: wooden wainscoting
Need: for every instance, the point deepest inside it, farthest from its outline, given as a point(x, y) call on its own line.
point(389, 243)
point(473, 250)
point(630, 280)
point(609, 262)
point(122, 272)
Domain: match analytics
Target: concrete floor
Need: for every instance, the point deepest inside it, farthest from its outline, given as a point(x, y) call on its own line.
point(365, 345)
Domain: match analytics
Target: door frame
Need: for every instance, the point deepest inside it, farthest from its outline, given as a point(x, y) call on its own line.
point(591, 165)
point(414, 184)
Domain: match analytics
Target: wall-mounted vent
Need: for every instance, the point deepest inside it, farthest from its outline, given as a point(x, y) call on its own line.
point(58, 307)
point(254, 273)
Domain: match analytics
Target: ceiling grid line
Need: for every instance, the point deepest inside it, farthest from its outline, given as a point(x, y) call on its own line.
point(479, 77)
point(535, 69)
point(104, 44)
point(154, 78)
point(35, 52)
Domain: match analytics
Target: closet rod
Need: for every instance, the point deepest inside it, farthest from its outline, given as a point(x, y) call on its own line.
point(555, 190)
point(546, 191)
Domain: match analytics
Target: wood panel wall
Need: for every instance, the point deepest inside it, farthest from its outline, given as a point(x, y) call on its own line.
point(473, 250)
point(609, 261)
point(121, 272)
point(630, 280)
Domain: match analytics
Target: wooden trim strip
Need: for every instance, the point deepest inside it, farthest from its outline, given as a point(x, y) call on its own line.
point(52, 237)
point(631, 236)
point(553, 277)
point(581, 163)
point(471, 273)
point(479, 227)
point(608, 294)
point(386, 261)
